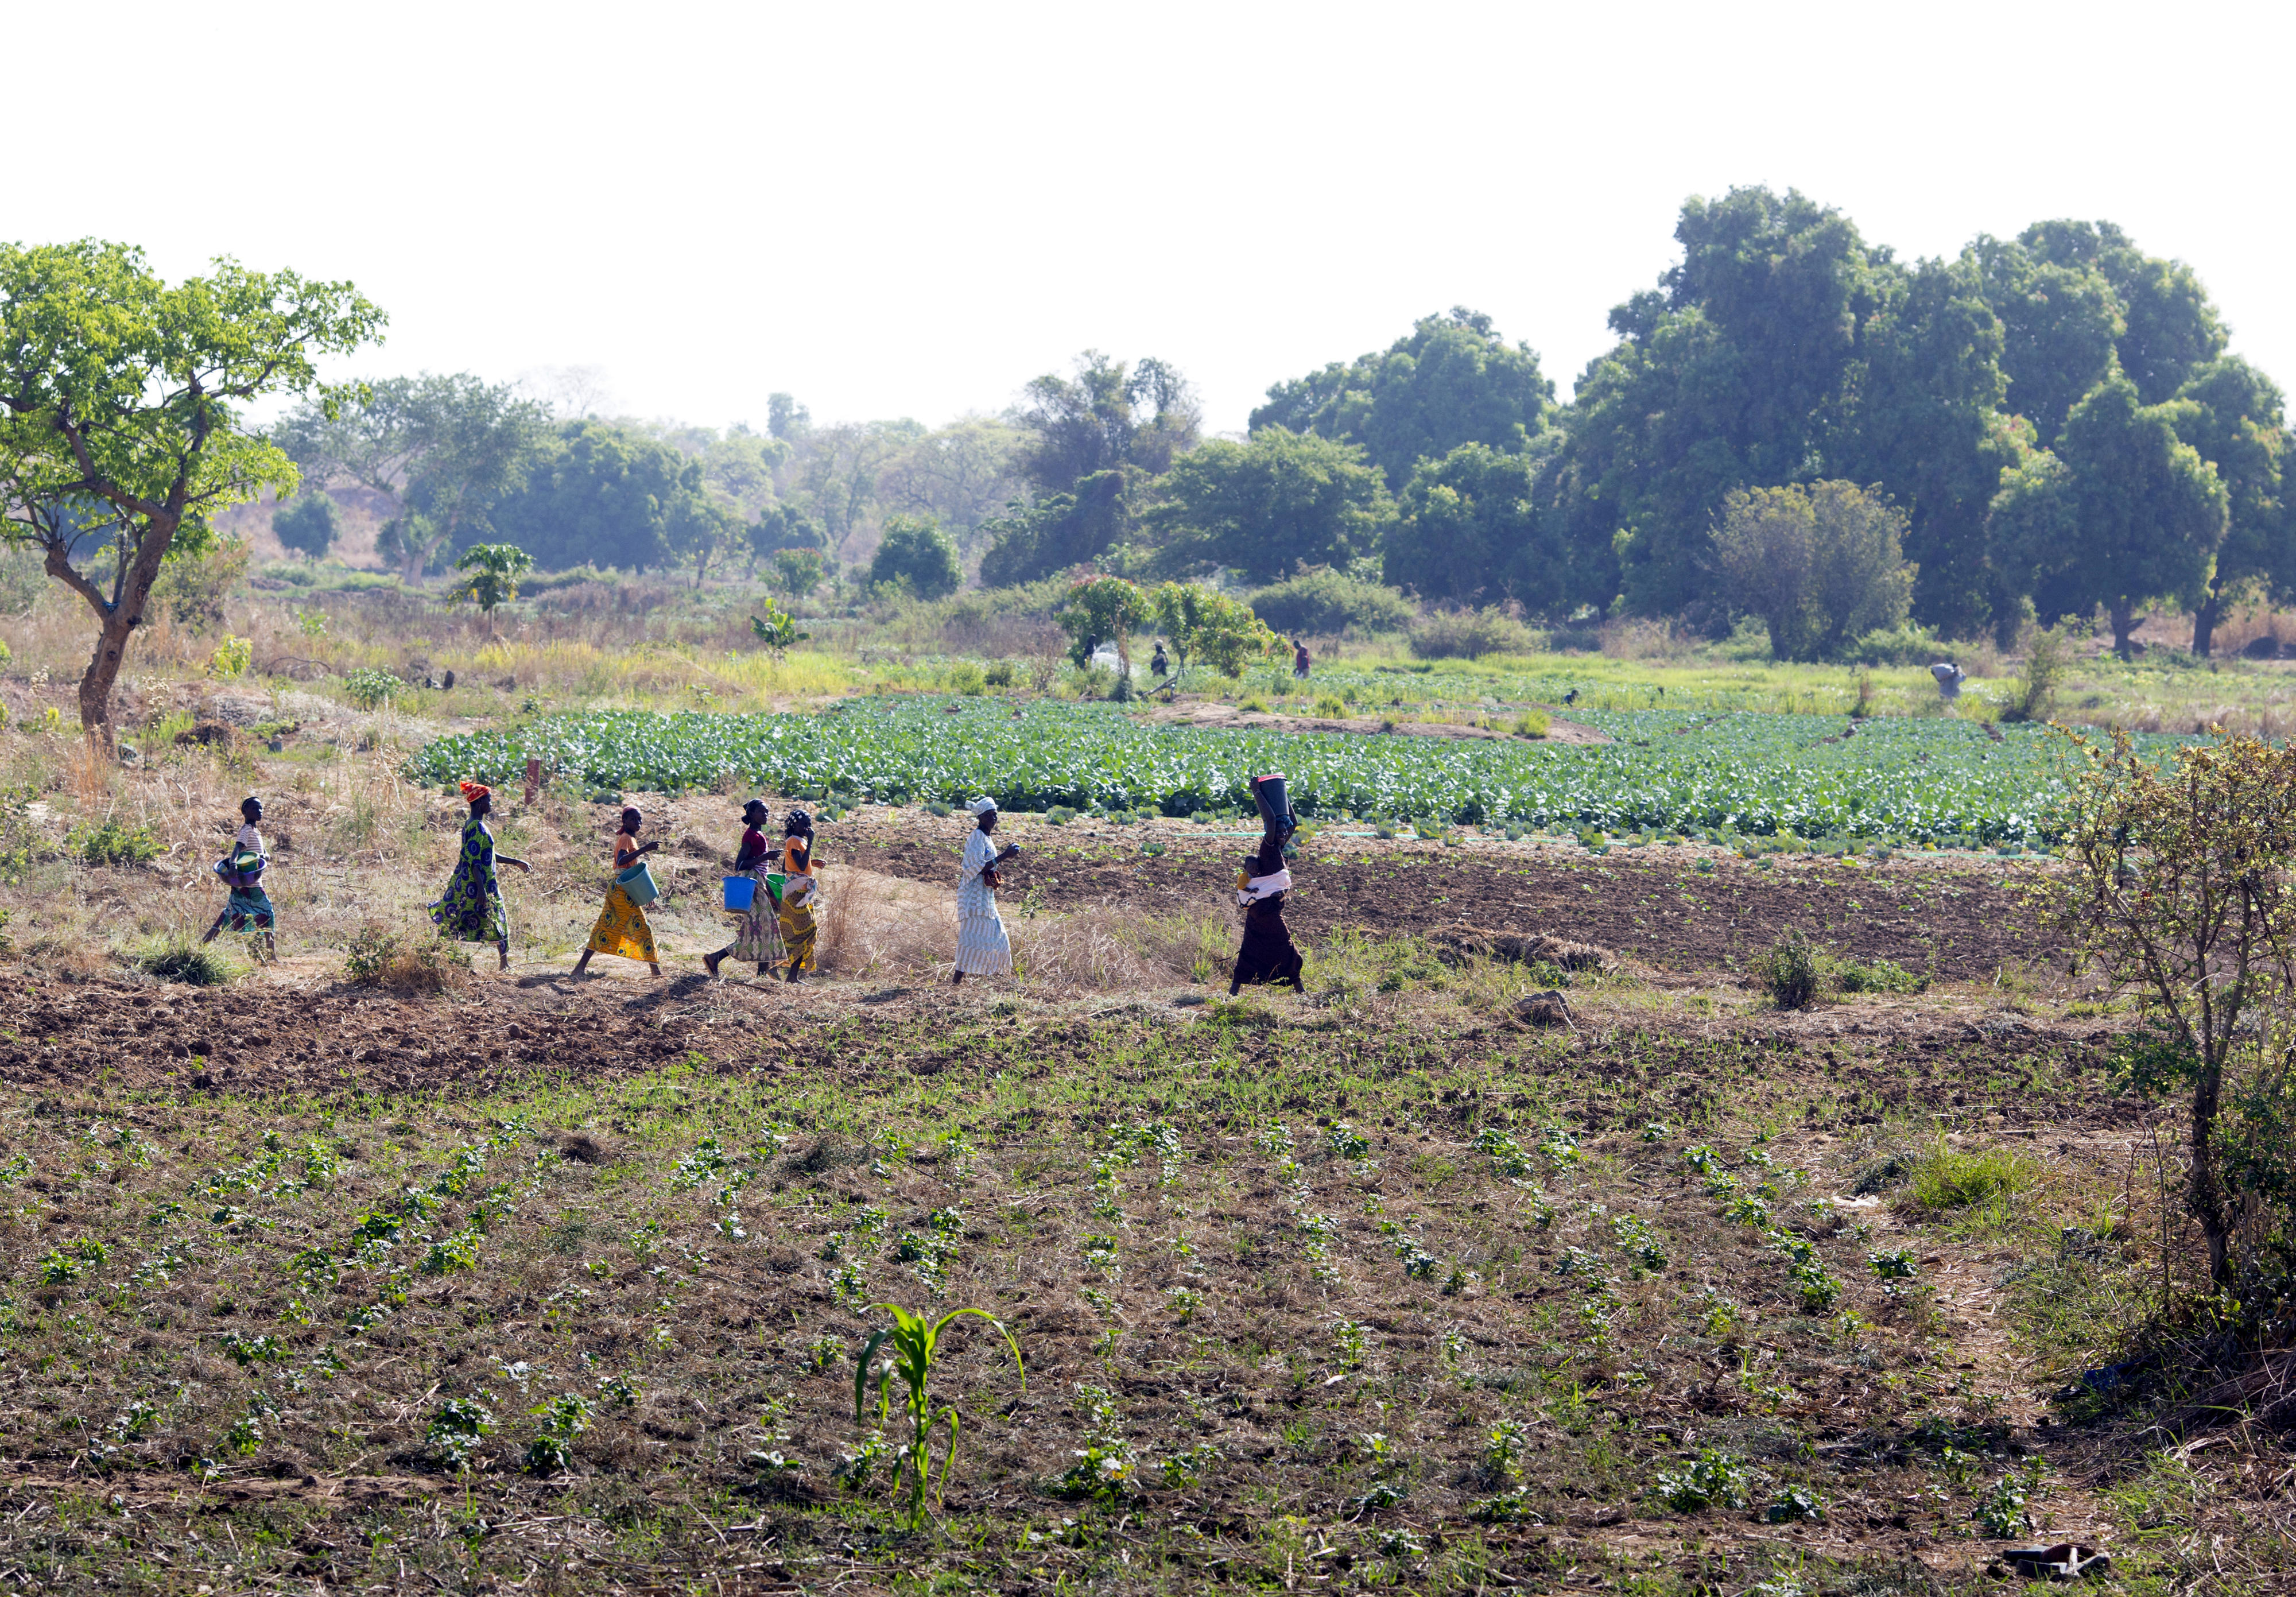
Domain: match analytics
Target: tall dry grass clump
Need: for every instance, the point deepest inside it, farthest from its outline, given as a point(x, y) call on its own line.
point(874, 925)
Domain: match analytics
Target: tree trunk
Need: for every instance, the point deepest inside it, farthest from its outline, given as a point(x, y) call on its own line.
point(2204, 622)
point(2204, 1191)
point(2125, 621)
point(117, 624)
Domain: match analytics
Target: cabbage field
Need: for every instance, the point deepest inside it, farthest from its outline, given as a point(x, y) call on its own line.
point(1915, 779)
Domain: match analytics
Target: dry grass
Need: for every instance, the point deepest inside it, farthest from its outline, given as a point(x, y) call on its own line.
point(876, 926)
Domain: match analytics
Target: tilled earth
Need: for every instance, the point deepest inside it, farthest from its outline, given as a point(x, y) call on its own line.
point(1386, 1228)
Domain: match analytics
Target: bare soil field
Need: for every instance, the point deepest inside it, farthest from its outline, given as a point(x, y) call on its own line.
point(536, 1284)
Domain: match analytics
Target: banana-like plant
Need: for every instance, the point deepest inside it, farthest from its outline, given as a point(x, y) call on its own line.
point(915, 1342)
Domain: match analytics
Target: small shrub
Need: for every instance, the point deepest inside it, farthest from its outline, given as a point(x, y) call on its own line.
point(1788, 971)
point(1881, 976)
point(1331, 708)
point(1325, 602)
point(377, 957)
point(999, 675)
point(370, 689)
point(232, 657)
point(1471, 634)
point(113, 842)
point(1531, 724)
point(1713, 1479)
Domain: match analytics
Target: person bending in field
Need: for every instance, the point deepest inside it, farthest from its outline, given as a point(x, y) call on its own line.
point(249, 908)
point(622, 928)
point(982, 946)
point(471, 911)
point(1268, 955)
point(798, 929)
point(756, 938)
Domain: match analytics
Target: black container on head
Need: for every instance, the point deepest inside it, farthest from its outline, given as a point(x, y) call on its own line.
point(1276, 817)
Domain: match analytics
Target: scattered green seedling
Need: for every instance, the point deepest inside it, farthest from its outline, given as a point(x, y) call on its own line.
point(915, 1342)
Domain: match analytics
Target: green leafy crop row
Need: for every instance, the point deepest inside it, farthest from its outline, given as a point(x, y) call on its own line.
point(1917, 779)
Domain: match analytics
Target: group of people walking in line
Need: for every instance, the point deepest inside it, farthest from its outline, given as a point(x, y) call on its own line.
point(778, 930)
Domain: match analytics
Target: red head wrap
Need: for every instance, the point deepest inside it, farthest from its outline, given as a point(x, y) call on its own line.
point(472, 791)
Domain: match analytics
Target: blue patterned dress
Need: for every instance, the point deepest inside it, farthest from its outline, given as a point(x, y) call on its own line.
point(471, 911)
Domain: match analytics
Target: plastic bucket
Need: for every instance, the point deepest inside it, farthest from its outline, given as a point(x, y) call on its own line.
point(1274, 804)
point(741, 892)
point(637, 881)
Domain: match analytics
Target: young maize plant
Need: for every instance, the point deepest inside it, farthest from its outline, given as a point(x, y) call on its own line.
point(915, 1342)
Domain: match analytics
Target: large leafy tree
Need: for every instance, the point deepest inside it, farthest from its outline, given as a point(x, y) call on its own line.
point(1092, 442)
point(118, 426)
point(2167, 327)
point(915, 550)
point(2231, 414)
point(2123, 513)
point(442, 450)
point(1451, 380)
point(599, 495)
point(1821, 565)
point(1736, 371)
point(1469, 531)
point(1927, 420)
point(1267, 506)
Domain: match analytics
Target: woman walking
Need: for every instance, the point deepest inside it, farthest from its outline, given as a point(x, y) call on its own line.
point(1267, 953)
point(757, 938)
point(471, 911)
point(621, 927)
point(800, 895)
point(249, 908)
point(982, 948)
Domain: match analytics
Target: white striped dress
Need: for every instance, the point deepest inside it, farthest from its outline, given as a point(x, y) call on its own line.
point(982, 948)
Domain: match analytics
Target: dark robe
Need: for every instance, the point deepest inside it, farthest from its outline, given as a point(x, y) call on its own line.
point(1268, 954)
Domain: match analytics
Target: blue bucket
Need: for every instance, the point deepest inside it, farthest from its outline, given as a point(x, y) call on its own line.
point(741, 892)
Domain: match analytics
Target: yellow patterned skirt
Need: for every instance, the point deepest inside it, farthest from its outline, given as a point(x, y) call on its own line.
point(622, 928)
point(798, 928)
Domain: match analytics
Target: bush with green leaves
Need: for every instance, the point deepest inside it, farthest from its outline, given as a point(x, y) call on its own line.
point(1788, 970)
point(1471, 634)
point(370, 688)
point(1713, 1479)
point(112, 841)
point(1326, 602)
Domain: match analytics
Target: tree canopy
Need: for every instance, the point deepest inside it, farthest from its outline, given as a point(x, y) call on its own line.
point(119, 425)
point(1451, 380)
point(1266, 507)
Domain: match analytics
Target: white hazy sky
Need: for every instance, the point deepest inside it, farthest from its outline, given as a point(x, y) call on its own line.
point(910, 210)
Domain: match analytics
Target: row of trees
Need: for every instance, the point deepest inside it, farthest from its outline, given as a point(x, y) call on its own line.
point(2053, 415)
point(457, 461)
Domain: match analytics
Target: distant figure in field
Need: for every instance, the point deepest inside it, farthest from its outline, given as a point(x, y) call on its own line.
point(1299, 660)
point(249, 908)
point(1949, 677)
point(1159, 666)
point(982, 946)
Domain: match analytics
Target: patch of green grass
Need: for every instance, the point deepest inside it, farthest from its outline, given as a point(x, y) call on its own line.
point(179, 959)
point(1977, 1184)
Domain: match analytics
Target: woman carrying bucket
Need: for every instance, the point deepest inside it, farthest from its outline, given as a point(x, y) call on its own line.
point(749, 895)
point(621, 929)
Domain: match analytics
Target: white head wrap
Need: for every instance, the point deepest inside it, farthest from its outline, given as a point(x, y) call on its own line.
point(982, 806)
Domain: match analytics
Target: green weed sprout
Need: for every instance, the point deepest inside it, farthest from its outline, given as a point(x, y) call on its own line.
point(915, 1340)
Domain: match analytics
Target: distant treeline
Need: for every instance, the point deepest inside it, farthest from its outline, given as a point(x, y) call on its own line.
point(2052, 419)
